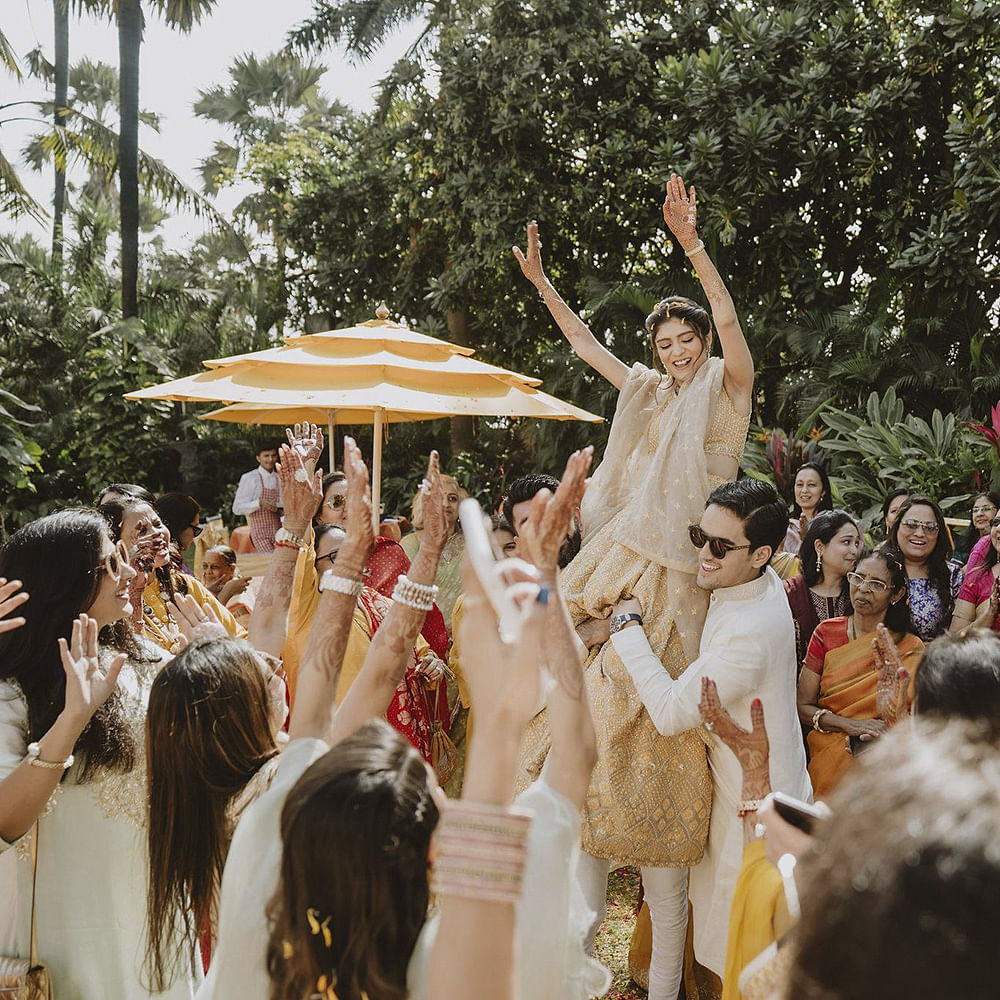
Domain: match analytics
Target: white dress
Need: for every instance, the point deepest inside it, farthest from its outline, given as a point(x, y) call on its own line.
point(90, 909)
point(552, 918)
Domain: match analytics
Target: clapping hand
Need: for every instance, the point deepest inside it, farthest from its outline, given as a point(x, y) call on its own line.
point(531, 265)
point(11, 598)
point(680, 212)
point(194, 620)
point(893, 683)
point(550, 516)
point(87, 685)
point(301, 486)
point(751, 748)
point(306, 440)
point(436, 528)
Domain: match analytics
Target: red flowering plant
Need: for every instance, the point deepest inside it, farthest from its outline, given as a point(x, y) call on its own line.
point(991, 434)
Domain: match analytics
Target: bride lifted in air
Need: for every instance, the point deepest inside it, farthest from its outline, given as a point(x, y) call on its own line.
point(678, 432)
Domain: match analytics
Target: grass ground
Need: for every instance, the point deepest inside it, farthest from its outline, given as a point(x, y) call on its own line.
point(611, 946)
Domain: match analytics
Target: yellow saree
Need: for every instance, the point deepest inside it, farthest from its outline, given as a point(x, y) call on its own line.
point(847, 688)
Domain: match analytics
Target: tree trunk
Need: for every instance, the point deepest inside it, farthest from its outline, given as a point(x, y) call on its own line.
point(129, 42)
point(60, 11)
point(463, 429)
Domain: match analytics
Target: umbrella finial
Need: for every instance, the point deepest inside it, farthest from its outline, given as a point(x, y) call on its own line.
point(382, 312)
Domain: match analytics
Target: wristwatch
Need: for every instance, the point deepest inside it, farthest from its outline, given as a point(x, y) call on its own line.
point(620, 621)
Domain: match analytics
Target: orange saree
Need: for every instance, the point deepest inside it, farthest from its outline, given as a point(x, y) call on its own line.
point(847, 688)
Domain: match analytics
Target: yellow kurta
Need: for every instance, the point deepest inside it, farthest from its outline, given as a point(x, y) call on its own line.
point(156, 620)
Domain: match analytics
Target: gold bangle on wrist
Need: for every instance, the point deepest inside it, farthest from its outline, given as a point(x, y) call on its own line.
point(817, 715)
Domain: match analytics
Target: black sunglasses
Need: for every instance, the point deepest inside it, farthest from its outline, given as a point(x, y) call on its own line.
point(717, 546)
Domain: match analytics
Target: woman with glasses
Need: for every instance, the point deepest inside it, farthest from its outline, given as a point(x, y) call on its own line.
point(919, 537)
point(181, 516)
point(74, 688)
point(978, 602)
point(985, 507)
point(828, 553)
point(842, 686)
point(678, 432)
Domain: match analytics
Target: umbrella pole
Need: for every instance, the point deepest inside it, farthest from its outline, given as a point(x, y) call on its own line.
point(330, 429)
point(377, 470)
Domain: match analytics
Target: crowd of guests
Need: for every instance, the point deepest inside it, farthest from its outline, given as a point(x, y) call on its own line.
point(399, 765)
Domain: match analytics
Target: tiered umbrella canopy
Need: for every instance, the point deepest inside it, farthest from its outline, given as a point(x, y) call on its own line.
point(378, 372)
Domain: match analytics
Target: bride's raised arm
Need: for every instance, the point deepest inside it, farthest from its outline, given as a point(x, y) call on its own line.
point(583, 342)
point(680, 212)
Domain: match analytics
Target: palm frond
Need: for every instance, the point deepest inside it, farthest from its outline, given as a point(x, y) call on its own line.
point(8, 58)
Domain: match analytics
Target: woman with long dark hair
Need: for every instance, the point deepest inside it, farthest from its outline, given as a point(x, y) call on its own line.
point(157, 583)
point(72, 741)
point(828, 553)
point(920, 538)
point(838, 692)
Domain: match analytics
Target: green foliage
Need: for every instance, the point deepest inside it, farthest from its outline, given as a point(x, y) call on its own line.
point(886, 447)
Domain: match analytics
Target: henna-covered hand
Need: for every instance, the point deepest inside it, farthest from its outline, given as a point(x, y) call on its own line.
point(550, 516)
point(306, 440)
point(680, 212)
point(301, 487)
point(436, 527)
point(358, 513)
point(893, 683)
point(751, 748)
point(531, 264)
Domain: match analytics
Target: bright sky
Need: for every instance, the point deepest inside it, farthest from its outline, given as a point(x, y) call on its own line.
point(174, 68)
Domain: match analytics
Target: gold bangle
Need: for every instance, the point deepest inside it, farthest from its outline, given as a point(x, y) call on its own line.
point(817, 715)
point(35, 760)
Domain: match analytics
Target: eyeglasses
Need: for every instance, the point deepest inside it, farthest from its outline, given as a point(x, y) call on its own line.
point(929, 526)
point(196, 528)
point(989, 508)
point(337, 503)
point(867, 583)
point(995, 523)
point(114, 561)
point(719, 547)
point(330, 555)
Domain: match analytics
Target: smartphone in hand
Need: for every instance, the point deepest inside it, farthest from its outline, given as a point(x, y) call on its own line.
point(795, 812)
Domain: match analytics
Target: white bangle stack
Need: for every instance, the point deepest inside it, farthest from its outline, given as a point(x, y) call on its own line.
point(419, 596)
point(339, 584)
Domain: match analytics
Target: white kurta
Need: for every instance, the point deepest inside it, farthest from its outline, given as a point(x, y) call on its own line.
point(552, 918)
point(748, 649)
point(90, 907)
point(251, 489)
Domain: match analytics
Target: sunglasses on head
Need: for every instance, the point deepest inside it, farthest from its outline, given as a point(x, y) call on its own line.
point(719, 547)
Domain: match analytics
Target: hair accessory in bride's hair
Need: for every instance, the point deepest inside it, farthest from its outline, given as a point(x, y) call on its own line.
point(318, 928)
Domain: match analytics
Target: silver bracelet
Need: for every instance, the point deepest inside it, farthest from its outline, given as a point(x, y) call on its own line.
point(339, 584)
point(35, 760)
point(419, 596)
point(698, 249)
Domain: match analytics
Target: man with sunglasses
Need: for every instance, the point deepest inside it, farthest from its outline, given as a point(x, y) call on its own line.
point(748, 649)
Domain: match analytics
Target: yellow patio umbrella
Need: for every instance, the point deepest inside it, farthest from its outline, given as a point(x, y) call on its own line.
point(378, 372)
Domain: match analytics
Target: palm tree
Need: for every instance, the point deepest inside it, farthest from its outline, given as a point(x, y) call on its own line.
point(181, 14)
point(60, 11)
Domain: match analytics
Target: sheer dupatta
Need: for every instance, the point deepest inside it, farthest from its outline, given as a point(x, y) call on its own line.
point(657, 495)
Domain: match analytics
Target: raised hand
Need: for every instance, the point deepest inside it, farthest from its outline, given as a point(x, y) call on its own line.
point(680, 212)
point(893, 684)
point(504, 680)
point(531, 265)
point(11, 598)
point(752, 748)
point(87, 685)
point(436, 528)
point(301, 486)
point(306, 440)
point(195, 621)
point(358, 506)
point(551, 515)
